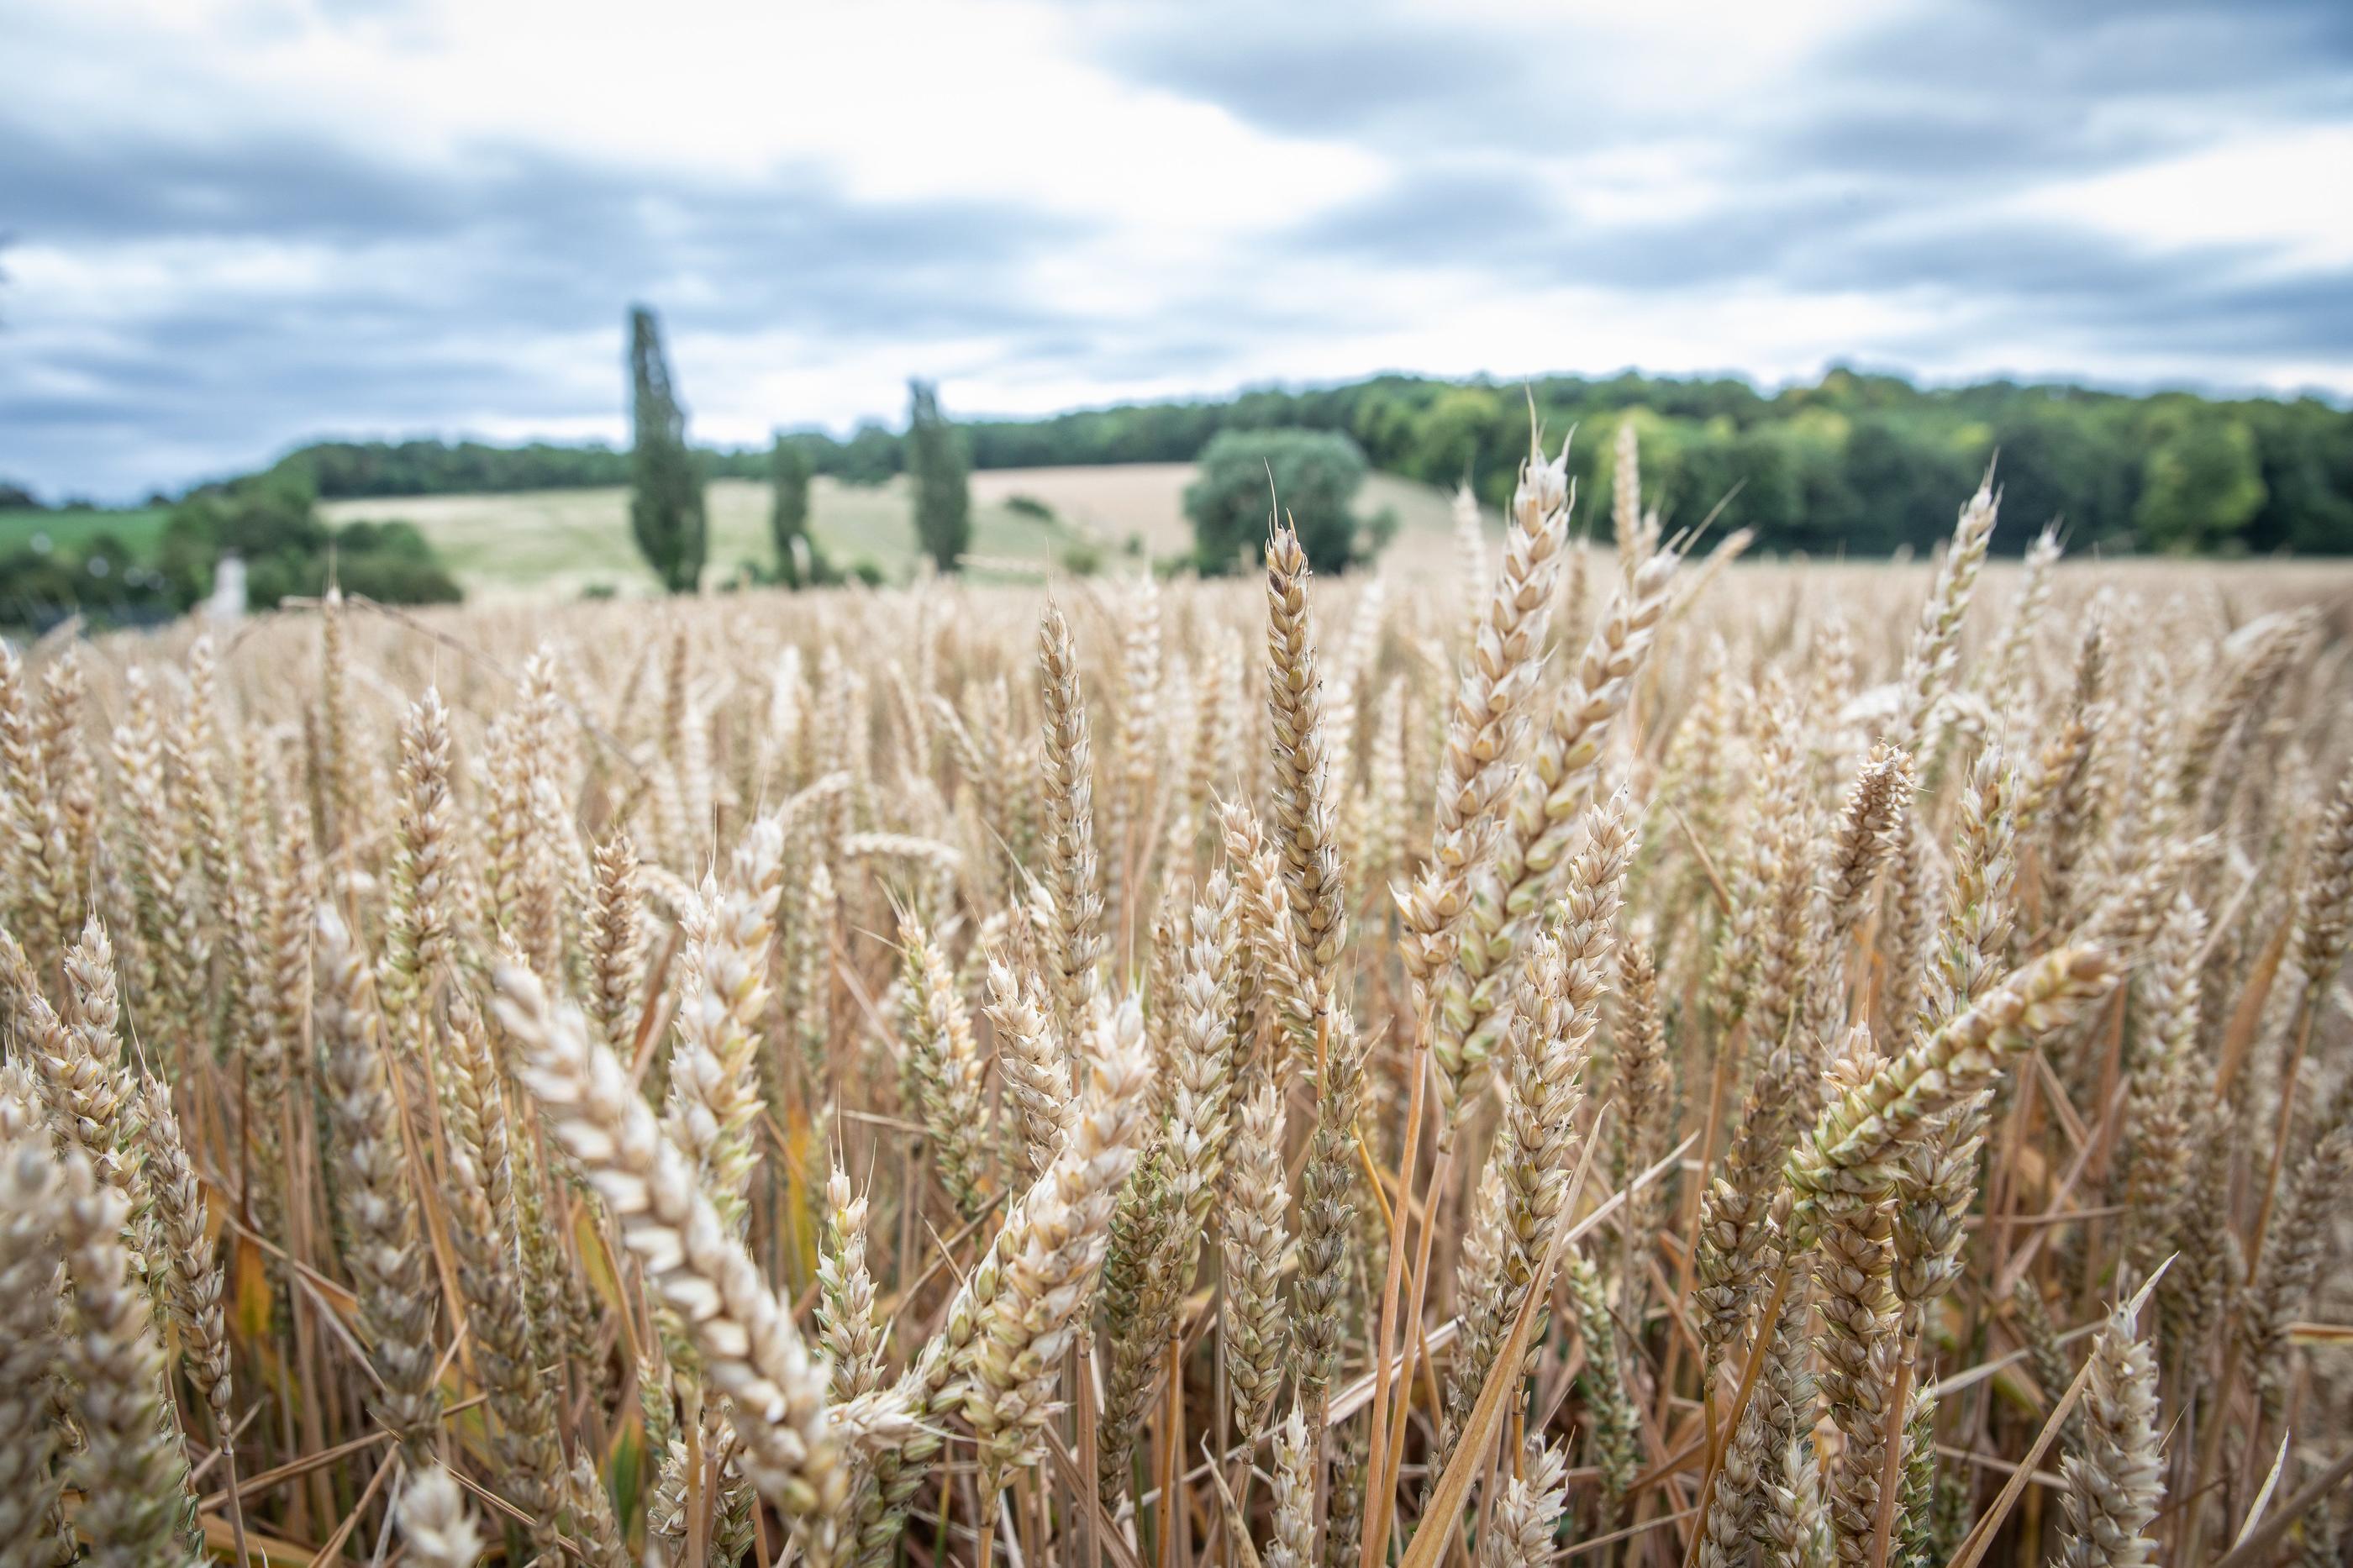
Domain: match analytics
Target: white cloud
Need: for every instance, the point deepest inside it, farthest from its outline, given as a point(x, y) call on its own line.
point(900, 98)
point(2287, 192)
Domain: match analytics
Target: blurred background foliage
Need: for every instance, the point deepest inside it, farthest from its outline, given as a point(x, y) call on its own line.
point(1857, 463)
point(1854, 466)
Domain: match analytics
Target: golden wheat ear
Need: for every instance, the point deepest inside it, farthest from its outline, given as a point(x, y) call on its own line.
point(32, 1299)
point(750, 1351)
point(390, 1263)
point(131, 1468)
point(2115, 1475)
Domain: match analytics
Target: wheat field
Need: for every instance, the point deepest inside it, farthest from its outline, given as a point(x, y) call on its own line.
point(1597, 1051)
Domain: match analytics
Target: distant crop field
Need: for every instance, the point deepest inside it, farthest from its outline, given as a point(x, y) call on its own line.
point(560, 542)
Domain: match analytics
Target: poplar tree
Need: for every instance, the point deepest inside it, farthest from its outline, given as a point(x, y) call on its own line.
point(788, 511)
point(666, 512)
point(935, 461)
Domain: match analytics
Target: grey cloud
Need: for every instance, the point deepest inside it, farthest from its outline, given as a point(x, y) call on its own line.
point(2064, 280)
point(1959, 101)
point(440, 278)
point(79, 187)
point(1958, 96)
point(1441, 211)
point(1497, 219)
point(1962, 86)
point(1308, 70)
point(559, 232)
point(210, 392)
point(1880, 168)
point(2021, 49)
point(1956, 143)
point(2080, 284)
point(2307, 315)
point(1874, 171)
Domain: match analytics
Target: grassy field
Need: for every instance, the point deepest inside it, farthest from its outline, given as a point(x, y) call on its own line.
point(138, 528)
point(563, 542)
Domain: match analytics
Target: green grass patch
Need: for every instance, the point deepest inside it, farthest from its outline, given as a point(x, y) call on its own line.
point(138, 528)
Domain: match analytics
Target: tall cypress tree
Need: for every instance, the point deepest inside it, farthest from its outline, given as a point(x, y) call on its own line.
point(788, 511)
point(935, 460)
point(666, 512)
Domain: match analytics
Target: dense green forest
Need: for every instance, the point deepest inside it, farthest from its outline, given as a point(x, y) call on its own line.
point(1857, 463)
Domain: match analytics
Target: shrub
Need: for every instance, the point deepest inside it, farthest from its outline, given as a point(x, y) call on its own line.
point(100, 580)
point(270, 523)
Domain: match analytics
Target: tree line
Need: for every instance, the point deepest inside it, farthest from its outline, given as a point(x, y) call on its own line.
point(1854, 464)
point(1858, 464)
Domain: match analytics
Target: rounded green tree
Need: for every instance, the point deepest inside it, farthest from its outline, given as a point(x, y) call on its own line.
point(1314, 476)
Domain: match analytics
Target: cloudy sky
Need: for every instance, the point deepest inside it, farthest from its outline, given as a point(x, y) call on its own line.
point(237, 224)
